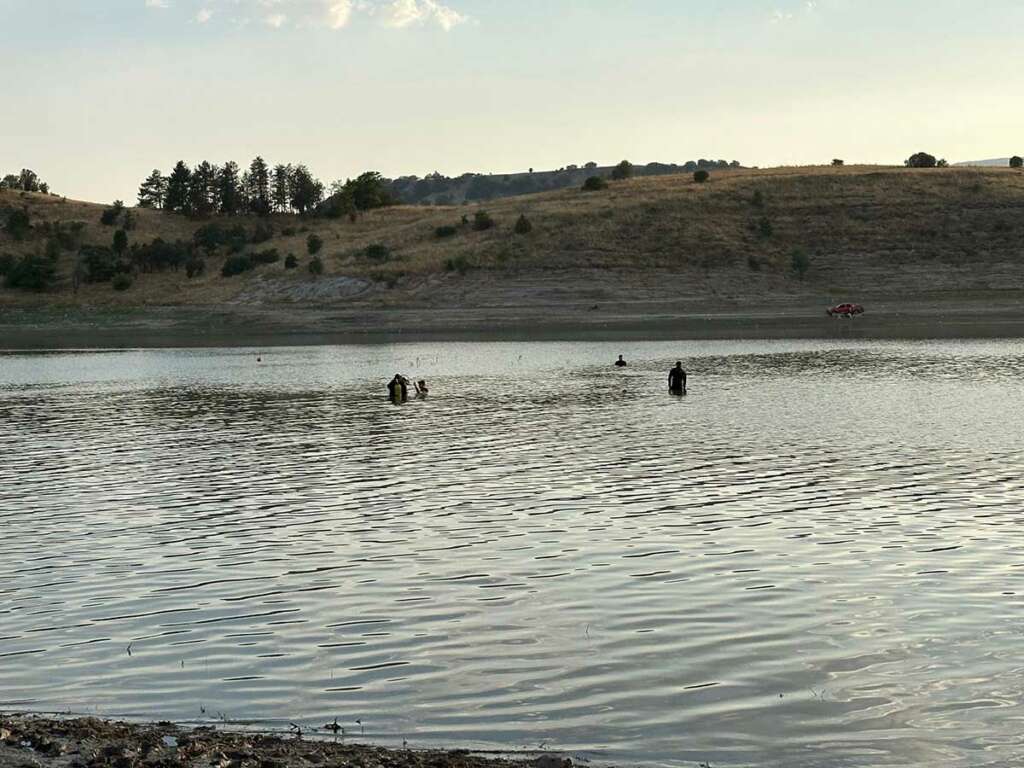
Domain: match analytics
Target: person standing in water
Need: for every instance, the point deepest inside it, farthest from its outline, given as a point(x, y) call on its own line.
point(398, 389)
point(620, 363)
point(677, 380)
point(421, 389)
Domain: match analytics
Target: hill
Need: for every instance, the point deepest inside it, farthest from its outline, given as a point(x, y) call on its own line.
point(644, 248)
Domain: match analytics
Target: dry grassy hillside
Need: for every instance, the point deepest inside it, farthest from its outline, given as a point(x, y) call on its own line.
point(862, 229)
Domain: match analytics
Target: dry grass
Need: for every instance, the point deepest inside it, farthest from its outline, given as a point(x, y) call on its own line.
point(881, 227)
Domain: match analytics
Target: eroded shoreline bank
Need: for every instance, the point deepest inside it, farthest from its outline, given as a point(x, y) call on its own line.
point(32, 741)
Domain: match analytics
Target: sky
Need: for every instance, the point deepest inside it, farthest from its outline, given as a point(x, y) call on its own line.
point(97, 93)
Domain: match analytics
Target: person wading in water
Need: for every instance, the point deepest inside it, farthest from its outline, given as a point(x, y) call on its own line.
point(398, 389)
point(677, 380)
point(621, 363)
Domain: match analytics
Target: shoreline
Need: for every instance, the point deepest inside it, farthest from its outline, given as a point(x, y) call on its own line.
point(37, 741)
point(278, 326)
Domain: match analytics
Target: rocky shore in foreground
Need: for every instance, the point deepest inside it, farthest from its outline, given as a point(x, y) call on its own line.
point(41, 742)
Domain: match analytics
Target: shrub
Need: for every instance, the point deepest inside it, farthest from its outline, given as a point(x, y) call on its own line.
point(269, 256)
point(212, 236)
point(194, 267)
point(18, 224)
point(288, 231)
point(1017, 161)
point(482, 221)
point(313, 244)
point(32, 273)
point(316, 266)
point(799, 262)
point(377, 252)
point(622, 171)
point(594, 184)
point(110, 215)
point(836, 162)
point(236, 265)
point(446, 230)
point(99, 262)
point(757, 199)
point(263, 231)
point(523, 225)
point(52, 249)
point(120, 243)
point(701, 176)
point(458, 264)
point(291, 262)
point(943, 163)
point(921, 160)
point(121, 282)
point(764, 227)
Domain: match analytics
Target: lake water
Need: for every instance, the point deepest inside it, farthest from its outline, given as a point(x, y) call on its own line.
point(814, 558)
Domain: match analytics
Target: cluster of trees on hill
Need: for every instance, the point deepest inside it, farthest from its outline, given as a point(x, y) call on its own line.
point(924, 160)
point(476, 187)
point(26, 181)
point(207, 190)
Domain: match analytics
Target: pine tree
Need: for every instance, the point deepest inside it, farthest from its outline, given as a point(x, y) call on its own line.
point(229, 189)
point(282, 188)
point(259, 187)
point(201, 189)
point(153, 190)
point(177, 198)
point(306, 191)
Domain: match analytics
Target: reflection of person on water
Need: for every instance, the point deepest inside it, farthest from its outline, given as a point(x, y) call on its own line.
point(421, 389)
point(398, 389)
point(620, 363)
point(677, 380)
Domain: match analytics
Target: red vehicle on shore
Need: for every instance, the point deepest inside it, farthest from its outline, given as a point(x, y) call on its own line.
point(845, 310)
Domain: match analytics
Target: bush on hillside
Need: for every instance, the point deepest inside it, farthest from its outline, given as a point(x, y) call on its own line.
point(446, 230)
point(622, 171)
point(378, 252)
point(120, 243)
point(799, 262)
point(523, 225)
point(1017, 161)
point(921, 160)
point(458, 264)
point(100, 263)
point(753, 263)
point(291, 262)
point(836, 162)
point(122, 281)
point(110, 215)
point(757, 199)
point(313, 244)
point(482, 221)
point(594, 184)
point(269, 256)
point(263, 231)
point(194, 267)
point(316, 266)
point(764, 227)
point(32, 273)
point(236, 265)
point(701, 176)
point(18, 224)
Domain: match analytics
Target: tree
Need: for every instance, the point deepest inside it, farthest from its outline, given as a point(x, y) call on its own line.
point(591, 166)
point(258, 189)
point(110, 215)
point(523, 225)
point(369, 191)
point(177, 196)
point(316, 266)
point(10, 181)
point(837, 162)
point(120, 244)
point(313, 244)
point(153, 190)
point(281, 192)
point(28, 180)
point(32, 273)
point(202, 190)
point(799, 263)
point(701, 176)
point(921, 160)
point(1017, 161)
point(943, 163)
point(622, 171)
point(594, 184)
point(229, 189)
point(482, 221)
point(306, 191)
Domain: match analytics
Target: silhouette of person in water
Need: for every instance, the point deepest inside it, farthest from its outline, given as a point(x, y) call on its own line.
point(620, 363)
point(677, 380)
point(398, 389)
point(421, 389)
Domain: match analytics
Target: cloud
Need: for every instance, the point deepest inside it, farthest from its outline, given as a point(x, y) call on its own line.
point(332, 14)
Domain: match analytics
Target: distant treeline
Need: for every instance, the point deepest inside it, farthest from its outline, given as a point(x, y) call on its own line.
point(26, 181)
point(209, 189)
point(475, 187)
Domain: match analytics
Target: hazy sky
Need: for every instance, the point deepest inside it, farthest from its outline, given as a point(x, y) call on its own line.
point(96, 93)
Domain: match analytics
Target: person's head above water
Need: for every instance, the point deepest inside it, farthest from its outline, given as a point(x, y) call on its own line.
point(679, 363)
point(620, 357)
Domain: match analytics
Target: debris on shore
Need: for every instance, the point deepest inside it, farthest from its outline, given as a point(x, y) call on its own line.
point(40, 742)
